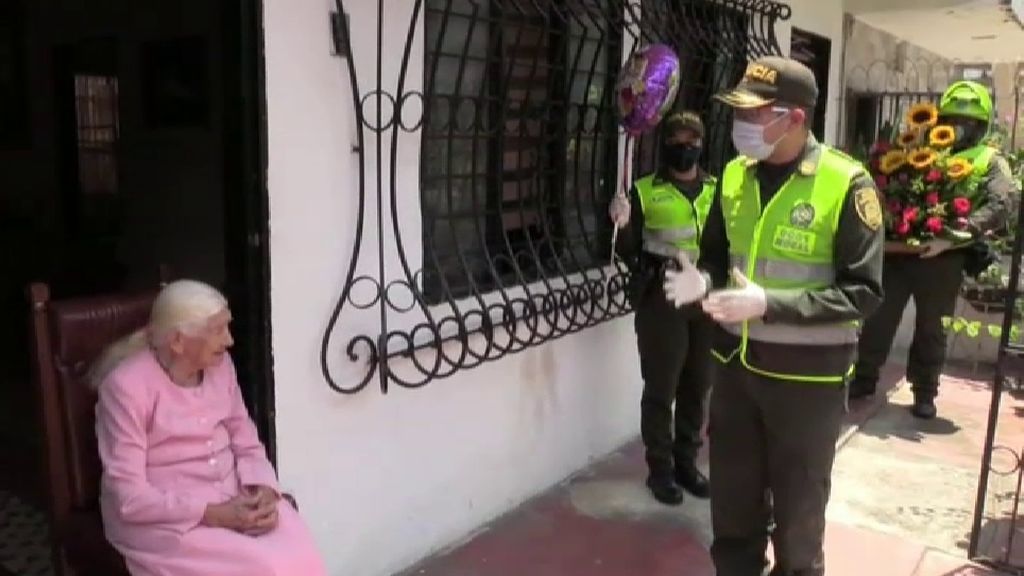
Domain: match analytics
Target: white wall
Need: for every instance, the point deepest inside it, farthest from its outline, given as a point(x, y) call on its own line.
point(824, 18)
point(385, 480)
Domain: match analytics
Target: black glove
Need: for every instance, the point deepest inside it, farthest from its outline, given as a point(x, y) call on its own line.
point(978, 257)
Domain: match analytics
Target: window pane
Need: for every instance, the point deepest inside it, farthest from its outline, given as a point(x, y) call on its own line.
point(519, 146)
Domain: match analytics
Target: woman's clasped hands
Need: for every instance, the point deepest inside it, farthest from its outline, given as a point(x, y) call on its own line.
point(253, 512)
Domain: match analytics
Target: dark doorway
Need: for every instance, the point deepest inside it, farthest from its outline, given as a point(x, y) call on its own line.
point(815, 52)
point(144, 147)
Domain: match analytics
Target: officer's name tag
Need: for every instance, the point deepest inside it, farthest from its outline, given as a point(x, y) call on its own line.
point(788, 239)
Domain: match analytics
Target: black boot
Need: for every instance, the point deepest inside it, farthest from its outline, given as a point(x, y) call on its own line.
point(693, 480)
point(862, 388)
point(664, 489)
point(924, 406)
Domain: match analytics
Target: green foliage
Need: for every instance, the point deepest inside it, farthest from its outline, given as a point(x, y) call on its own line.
point(973, 328)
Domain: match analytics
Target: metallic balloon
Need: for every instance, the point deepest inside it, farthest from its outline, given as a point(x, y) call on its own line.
point(647, 87)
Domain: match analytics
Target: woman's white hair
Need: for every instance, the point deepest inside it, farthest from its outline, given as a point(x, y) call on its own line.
point(183, 306)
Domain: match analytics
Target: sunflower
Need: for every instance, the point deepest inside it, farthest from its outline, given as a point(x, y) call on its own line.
point(923, 115)
point(908, 138)
point(959, 168)
point(942, 137)
point(922, 158)
point(892, 161)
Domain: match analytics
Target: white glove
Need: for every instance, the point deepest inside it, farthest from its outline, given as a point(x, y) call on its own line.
point(935, 246)
point(737, 304)
point(686, 284)
point(619, 210)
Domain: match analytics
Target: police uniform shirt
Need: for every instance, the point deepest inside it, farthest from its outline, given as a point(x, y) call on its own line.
point(996, 191)
point(859, 244)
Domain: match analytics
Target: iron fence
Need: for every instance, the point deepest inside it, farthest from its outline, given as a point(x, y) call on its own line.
point(995, 538)
point(994, 531)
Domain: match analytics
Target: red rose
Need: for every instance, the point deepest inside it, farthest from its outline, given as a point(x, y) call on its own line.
point(932, 198)
point(903, 228)
point(881, 181)
point(904, 178)
point(933, 224)
point(961, 206)
point(933, 176)
point(881, 147)
point(895, 207)
point(910, 214)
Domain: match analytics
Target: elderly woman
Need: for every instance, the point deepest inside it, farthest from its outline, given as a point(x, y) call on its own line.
point(187, 488)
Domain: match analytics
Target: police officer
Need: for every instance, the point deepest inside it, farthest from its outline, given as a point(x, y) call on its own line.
point(669, 208)
point(933, 278)
point(793, 251)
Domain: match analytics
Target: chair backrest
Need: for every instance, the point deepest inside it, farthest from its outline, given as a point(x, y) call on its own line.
point(67, 336)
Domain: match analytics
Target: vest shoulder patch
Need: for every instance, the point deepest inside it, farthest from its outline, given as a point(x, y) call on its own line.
point(868, 208)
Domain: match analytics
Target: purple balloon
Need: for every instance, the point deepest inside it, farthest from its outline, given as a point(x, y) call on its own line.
point(647, 87)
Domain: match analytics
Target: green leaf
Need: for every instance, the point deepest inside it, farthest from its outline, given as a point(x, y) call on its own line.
point(974, 328)
point(947, 321)
point(958, 325)
point(995, 331)
point(1014, 334)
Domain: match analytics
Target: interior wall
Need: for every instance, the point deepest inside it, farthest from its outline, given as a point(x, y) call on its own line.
point(171, 176)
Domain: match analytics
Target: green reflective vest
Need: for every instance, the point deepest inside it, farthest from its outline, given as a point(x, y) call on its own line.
point(671, 222)
point(789, 244)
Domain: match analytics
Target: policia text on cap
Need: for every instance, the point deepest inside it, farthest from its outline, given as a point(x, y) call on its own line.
point(792, 256)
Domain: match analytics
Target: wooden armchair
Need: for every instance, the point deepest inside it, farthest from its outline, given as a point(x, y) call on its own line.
point(67, 336)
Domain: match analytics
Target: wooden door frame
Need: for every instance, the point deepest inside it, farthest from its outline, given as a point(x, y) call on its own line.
point(246, 227)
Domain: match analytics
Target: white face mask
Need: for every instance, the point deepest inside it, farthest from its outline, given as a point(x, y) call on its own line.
point(748, 137)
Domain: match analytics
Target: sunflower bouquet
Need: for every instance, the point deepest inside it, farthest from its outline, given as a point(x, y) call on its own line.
point(925, 190)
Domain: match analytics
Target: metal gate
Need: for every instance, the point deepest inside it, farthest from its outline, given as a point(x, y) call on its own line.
point(878, 97)
point(995, 532)
point(996, 537)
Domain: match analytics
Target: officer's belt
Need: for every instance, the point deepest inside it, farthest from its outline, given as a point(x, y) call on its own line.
point(668, 251)
point(665, 242)
point(786, 270)
point(826, 335)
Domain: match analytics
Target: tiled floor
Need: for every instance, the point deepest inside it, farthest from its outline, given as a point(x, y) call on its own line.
point(23, 538)
point(603, 523)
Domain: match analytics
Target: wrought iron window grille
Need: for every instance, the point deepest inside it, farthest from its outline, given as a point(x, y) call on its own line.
point(520, 150)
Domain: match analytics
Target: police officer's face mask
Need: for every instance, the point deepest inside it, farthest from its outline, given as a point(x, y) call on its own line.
point(968, 132)
point(748, 137)
point(680, 157)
